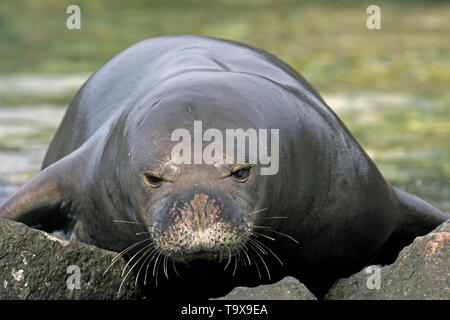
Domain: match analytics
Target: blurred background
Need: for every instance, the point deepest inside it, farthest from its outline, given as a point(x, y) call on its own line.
point(391, 87)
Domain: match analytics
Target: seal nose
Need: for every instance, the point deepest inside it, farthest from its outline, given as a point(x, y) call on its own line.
point(198, 222)
point(204, 209)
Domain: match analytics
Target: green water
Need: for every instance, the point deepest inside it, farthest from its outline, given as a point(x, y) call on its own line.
point(407, 135)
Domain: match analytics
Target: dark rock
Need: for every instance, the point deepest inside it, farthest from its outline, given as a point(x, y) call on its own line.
point(421, 271)
point(37, 265)
point(288, 288)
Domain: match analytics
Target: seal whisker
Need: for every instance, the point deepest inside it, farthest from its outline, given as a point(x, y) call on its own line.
point(254, 259)
point(240, 258)
point(119, 255)
point(129, 271)
point(229, 258)
point(156, 267)
point(165, 266)
point(260, 245)
point(262, 235)
point(266, 247)
point(158, 264)
point(174, 268)
point(135, 255)
point(153, 255)
point(146, 271)
point(235, 265)
point(244, 249)
point(131, 222)
point(254, 245)
point(149, 254)
point(141, 233)
point(257, 211)
point(264, 263)
point(277, 232)
point(257, 244)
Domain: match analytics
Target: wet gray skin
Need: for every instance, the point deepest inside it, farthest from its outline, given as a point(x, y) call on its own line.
point(108, 178)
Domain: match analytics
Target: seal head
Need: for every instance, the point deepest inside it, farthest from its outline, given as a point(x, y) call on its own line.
point(192, 211)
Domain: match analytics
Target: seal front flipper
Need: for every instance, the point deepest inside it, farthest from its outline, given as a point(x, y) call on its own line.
point(45, 201)
point(416, 218)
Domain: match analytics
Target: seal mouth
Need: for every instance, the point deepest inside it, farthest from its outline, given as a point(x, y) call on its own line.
point(197, 256)
point(183, 245)
point(201, 257)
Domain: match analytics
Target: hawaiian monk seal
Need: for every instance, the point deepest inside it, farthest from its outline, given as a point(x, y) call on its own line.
point(109, 177)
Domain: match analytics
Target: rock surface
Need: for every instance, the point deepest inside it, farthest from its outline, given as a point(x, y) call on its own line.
point(37, 265)
point(421, 271)
point(288, 288)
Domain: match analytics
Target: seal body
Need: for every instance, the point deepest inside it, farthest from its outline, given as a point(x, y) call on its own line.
point(109, 177)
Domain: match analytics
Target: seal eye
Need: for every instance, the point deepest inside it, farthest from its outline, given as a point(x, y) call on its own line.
point(241, 174)
point(153, 179)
